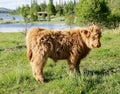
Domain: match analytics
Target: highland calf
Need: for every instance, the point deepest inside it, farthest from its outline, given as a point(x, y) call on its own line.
point(72, 45)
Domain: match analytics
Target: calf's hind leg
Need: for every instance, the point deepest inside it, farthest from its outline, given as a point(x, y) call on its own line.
point(37, 67)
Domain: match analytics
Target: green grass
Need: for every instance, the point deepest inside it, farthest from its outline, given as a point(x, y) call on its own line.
point(9, 40)
point(100, 70)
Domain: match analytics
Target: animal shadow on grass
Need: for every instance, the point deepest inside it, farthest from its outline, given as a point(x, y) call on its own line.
point(51, 76)
point(102, 72)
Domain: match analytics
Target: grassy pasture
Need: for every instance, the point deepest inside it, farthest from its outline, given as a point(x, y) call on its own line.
point(100, 70)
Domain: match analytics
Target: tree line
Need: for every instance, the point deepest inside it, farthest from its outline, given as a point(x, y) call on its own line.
point(82, 12)
point(30, 12)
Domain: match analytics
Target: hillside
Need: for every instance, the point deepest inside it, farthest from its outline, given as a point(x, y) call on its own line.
point(4, 9)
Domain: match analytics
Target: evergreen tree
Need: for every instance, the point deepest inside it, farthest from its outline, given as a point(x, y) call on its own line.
point(24, 11)
point(69, 13)
point(65, 8)
point(33, 10)
point(43, 6)
point(70, 7)
point(51, 9)
point(59, 9)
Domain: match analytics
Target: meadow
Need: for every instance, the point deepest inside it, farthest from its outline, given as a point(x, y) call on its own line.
point(100, 70)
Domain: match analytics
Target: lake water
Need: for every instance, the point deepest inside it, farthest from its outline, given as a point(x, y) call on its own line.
point(8, 17)
point(18, 27)
point(21, 27)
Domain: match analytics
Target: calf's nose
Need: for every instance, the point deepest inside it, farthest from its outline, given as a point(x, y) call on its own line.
point(98, 45)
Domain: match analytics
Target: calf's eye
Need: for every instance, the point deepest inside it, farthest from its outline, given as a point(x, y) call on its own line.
point(93, 38)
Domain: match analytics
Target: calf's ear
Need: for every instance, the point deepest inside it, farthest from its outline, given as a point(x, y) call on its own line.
point(85, 32)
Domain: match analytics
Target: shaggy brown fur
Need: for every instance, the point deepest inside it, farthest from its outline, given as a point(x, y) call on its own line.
point(73, 45)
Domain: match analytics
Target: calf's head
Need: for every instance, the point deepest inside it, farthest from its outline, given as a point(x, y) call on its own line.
point(91, 36)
